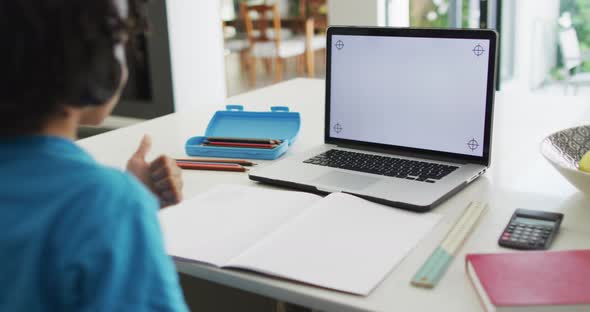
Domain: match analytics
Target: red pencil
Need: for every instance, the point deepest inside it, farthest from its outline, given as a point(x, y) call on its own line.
point(218, 161)
point(231, 144)
point(213, 167)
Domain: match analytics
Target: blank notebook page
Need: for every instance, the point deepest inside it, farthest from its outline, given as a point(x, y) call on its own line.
point(342, 242)
point(224, 222)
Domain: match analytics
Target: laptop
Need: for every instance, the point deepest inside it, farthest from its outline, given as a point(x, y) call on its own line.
point(408, 117)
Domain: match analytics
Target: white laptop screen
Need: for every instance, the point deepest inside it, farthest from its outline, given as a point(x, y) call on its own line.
point(416, 92)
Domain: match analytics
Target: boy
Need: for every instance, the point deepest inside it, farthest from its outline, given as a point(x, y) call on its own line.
point(76, 236)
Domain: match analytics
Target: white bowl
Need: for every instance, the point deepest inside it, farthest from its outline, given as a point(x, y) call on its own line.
point(564, 149)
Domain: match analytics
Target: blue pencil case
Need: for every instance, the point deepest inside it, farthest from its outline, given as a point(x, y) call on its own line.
point(234, 122)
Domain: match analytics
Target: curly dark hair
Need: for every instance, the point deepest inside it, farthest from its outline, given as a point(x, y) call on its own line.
point(59, 52)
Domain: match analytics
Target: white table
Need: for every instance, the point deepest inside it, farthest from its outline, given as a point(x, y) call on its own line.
point(519, 178)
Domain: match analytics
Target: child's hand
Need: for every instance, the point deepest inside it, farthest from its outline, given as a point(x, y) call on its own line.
point(162, 176)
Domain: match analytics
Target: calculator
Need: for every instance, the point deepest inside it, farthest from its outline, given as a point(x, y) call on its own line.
point(531, 229)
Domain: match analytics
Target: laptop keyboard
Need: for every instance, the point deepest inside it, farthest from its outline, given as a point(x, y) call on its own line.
point(383, 165)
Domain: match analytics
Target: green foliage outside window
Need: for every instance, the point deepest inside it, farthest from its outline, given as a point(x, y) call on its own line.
point(425, 13)
point(580, 13)
point(435, 14)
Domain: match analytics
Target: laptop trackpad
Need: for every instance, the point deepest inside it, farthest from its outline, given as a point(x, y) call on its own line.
point(340, 180)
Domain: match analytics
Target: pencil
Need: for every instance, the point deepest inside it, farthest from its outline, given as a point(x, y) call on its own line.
point(244, 140)
point(212, 167)
point(218, 161)
point(234, 144)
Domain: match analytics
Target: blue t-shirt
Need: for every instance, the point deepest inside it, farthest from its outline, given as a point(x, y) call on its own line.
point(77, 236)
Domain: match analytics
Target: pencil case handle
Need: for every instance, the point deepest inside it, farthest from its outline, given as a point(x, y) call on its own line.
point(234, 107)
point(278, 109)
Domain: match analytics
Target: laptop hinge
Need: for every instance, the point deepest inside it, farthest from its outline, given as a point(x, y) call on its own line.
point(402, 153)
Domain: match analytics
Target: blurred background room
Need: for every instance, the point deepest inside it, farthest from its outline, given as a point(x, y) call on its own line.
point(200, 52)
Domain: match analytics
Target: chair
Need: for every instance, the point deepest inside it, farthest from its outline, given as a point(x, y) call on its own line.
point(266, 44)
point(573, 58)
point(236, 43)
point(313, 11)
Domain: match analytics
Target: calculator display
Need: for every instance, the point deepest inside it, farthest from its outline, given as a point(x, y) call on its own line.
point(534, 221)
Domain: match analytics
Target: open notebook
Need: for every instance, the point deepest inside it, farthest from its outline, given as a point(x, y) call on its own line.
point(340, 242)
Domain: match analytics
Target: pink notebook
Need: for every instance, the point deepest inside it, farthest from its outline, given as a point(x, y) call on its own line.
point(532, 281)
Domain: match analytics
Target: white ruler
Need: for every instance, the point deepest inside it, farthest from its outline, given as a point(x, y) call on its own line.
point(439, 261)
